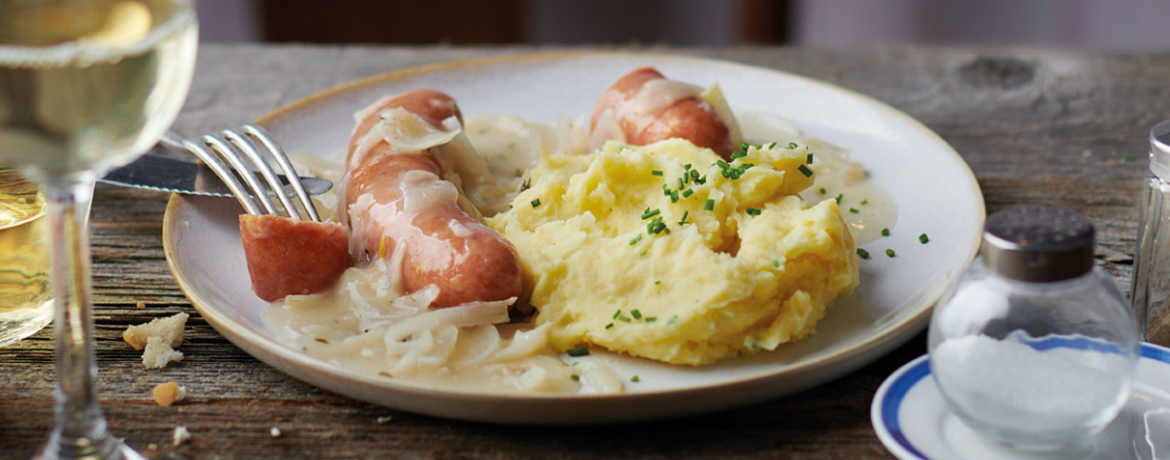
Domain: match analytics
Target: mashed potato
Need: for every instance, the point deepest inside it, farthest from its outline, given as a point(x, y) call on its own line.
point(627, 249)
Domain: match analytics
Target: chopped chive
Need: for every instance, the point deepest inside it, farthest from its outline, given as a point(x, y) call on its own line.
point(687, 166)
point(695, 176)
point(885, 232)
point(923, 238)
point(665, 190)
point(853, 211)
point(680, 183)
point(722, 164)
point(753, 211)
point(742, 152)
point(792, 146)
point(890, 252)
point(656, 226)
point(648, 213)
point(651, 319)
point(674, 196)
point(684, 219)
point(578, 351)
point(536, 202)
point(776, 263)
point(864, 202)
point(822, 190)
point(656, 173)
point(771, 146)
point(862, 253)
point(839, 197)
point(687, 192)
point(637, 314)
point(575, 377)
point(804, 170)
point(657, 282)
point(610, 325)
point(809, 159)
point(636, 239)
point(617, 313)
point(709, 205)
point(624, 318)
point(635, 379)
point(527, 184)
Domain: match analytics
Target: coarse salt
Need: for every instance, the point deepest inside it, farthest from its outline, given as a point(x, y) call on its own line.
point(1011, 384)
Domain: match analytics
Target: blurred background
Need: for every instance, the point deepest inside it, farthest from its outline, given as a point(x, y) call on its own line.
point(1110, 25)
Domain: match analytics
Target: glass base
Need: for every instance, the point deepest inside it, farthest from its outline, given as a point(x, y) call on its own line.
point(18, 325)
point(117, 451)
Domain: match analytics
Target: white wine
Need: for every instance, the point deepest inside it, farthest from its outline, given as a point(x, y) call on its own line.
point(87, 88)
point(25, 305)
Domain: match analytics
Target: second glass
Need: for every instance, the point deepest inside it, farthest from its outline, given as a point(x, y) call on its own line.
point(25, 304)
point(1150, 291)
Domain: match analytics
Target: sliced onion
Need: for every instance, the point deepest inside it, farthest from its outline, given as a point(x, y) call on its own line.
point(524, 343)
point(599, 377)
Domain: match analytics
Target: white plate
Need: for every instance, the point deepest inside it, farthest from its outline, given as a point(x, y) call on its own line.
point(912, 420)
point(935, 192)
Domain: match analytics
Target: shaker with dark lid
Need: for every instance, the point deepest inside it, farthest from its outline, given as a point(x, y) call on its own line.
point(1038, 243)
point(1033, 345)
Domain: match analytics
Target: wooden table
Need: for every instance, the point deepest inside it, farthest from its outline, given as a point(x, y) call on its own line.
point(1038, 127)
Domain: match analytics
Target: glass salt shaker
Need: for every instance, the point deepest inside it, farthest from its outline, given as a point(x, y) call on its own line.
point(1150, 291)
point(1034, 346)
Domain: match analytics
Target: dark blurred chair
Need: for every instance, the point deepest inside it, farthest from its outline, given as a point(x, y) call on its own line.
point(676, 22)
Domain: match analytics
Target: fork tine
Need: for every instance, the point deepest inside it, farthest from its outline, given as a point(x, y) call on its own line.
point(212, 161)
point(259, 133)
point(220, 146)
point(266, 171)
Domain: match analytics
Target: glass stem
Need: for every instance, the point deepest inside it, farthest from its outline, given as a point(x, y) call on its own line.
point(81, 430)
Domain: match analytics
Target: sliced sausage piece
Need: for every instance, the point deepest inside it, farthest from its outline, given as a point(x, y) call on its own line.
point(648, 108)
point(287, 256)
point(399, 199)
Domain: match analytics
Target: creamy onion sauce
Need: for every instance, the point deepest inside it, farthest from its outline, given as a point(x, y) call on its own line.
point(659, 94)
point(368, 325)
point(834, 173)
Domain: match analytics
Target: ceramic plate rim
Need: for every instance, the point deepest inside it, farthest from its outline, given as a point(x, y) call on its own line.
point(283, 358)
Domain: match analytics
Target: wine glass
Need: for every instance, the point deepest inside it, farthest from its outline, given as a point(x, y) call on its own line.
point(85, 86)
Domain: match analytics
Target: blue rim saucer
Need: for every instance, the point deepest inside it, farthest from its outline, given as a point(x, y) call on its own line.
point(912, 421)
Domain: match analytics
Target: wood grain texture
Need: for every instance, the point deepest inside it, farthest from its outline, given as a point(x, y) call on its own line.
point(1036, 126)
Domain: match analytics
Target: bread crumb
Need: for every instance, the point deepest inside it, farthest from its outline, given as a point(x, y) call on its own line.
point(274, 432)
point(181, 435)
point(169, 393)
point(170, 329)
point(159, 353)
point(141, 305)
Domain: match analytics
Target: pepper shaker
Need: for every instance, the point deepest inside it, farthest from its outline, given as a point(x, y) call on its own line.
point(1150, 292)
point(1034, 346)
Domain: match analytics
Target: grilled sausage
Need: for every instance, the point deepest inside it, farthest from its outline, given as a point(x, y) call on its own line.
point(395, 198)
point(663, 110)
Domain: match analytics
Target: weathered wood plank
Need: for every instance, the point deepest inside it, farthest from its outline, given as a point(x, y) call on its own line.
point(1036, 126)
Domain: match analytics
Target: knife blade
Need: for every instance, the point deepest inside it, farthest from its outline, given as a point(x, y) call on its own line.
point(156, 172)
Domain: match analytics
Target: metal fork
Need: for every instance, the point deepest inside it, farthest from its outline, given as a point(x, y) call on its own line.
point(235, 147)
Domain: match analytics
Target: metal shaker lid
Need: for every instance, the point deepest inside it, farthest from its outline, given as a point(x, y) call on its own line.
point(1038, 243)
point(1160, 150)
